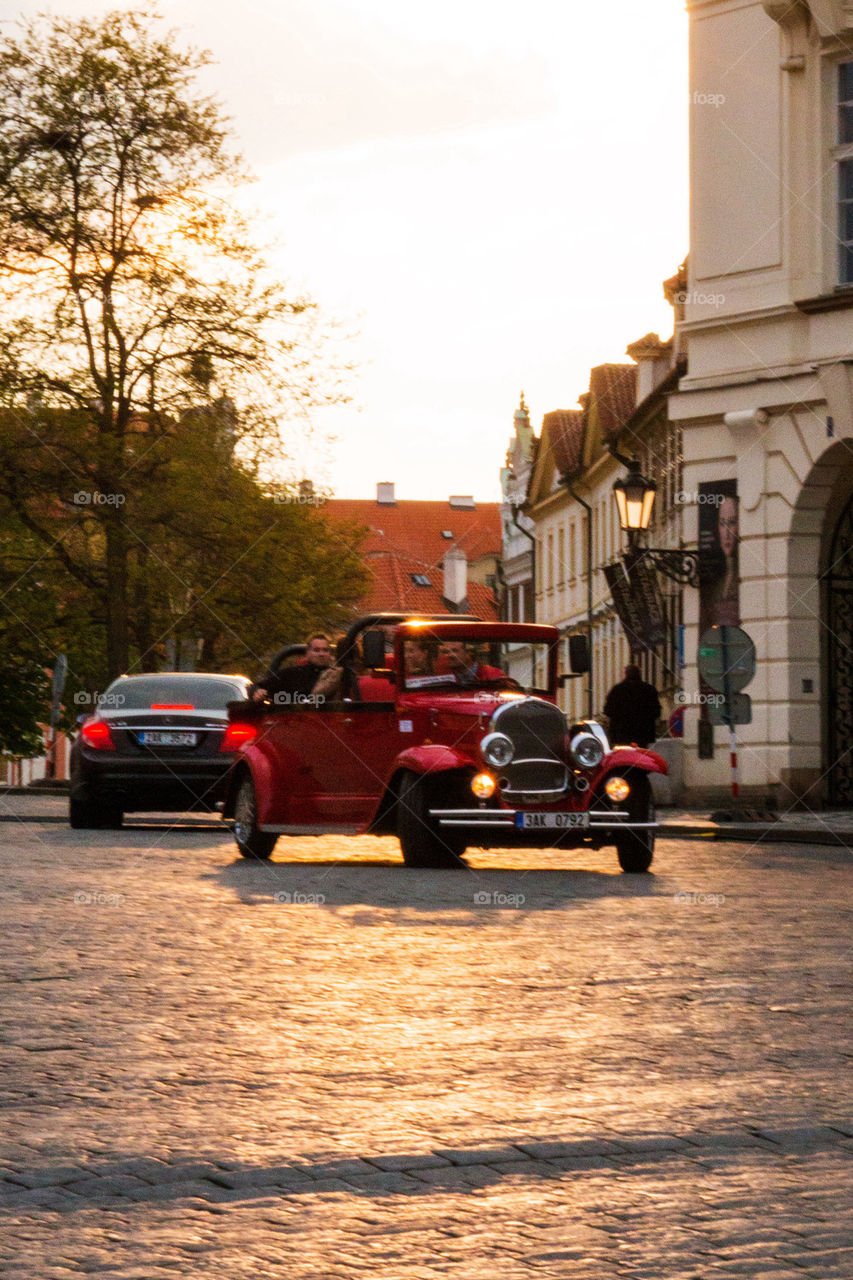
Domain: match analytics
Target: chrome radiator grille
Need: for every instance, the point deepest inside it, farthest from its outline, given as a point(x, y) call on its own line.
point(537, 731)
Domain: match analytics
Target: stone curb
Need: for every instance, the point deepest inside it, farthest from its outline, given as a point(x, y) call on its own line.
point(759, 833)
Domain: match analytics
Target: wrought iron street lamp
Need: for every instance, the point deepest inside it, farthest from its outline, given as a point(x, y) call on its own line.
point(635, 497)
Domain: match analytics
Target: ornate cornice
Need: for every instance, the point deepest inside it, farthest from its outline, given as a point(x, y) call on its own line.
point(831, 17)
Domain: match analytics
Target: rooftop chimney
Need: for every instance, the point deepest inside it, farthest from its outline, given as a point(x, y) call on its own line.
point(455, 591)
point(385, 494)
point(462, 502)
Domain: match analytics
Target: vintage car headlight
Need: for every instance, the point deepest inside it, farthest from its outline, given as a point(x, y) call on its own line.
point(618, 789)
point(586, 750)
point(483, 785)
point(497, 749)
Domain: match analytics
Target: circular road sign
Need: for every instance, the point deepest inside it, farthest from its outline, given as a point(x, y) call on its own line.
point(726, 658)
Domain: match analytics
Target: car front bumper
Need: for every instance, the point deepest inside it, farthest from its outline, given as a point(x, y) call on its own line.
point(598, 826)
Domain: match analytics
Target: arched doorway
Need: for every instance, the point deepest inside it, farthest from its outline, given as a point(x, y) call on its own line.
point(838, 583)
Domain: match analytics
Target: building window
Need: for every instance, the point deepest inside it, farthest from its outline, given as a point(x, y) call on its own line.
point(844, 154)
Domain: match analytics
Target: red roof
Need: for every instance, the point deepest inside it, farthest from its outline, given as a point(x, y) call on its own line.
point(613, 387)
point(405, 542)
point(396, 583)
point(563, 432)
point(416, 529)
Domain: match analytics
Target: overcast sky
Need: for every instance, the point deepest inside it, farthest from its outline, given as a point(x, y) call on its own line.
point(490, 193)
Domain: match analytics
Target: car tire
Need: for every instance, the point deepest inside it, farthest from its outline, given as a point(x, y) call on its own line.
point(423, 842)
point(635, 849)
point(251, 841)
point(83, 815)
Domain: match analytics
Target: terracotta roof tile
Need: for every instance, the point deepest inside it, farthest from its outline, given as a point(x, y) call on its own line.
point(393, 587)
point(563, 432)
point(613, 390)
point(412, 528)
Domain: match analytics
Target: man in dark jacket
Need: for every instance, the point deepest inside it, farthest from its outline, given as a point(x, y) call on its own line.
point(632, 707)
point(300, 680)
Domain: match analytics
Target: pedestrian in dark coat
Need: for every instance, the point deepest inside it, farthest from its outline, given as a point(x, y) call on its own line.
point(632, 708)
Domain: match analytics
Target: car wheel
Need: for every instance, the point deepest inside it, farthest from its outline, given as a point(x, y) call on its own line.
point(423, 842)
point(251, 842)
point(635, 849)
point(83, 815)
point(113, 819)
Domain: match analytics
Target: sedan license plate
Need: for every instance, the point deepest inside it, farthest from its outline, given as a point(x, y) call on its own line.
point(166, 738)
point(550, 821)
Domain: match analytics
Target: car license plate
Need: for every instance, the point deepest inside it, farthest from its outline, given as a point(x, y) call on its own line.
point(166, 738)
point(550, 821)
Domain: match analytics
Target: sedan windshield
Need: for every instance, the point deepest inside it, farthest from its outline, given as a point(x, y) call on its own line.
point(172, 692)
point(432, 663)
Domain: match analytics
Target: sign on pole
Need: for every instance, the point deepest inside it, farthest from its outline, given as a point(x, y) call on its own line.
point(737, 711)
point(726, 658)
point(727, 663)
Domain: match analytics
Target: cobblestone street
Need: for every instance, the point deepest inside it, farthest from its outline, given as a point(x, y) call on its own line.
point(331, 1066)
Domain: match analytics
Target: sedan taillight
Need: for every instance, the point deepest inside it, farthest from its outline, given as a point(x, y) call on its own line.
point(238, 735)
point(96, 733)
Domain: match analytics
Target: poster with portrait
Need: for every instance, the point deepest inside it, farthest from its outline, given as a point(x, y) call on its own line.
point(719, 572)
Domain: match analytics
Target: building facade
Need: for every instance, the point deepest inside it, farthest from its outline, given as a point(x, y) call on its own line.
point(578, 538)
point(765, 407)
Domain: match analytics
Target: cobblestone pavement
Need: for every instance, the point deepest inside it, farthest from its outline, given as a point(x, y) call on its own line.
point(331, 1067)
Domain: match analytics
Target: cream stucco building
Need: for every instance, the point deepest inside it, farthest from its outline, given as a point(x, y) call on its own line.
point(766, 403)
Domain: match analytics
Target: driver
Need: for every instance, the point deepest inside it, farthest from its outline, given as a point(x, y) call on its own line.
point(456, 657)
point(418, 658)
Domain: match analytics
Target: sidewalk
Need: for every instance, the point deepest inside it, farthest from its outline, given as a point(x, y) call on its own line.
point(824, 827)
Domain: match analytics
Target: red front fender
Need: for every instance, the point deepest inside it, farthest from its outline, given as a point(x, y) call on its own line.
point(632, 758)
point(433, 758)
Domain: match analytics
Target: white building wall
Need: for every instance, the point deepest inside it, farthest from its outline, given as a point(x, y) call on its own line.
point(768, 332)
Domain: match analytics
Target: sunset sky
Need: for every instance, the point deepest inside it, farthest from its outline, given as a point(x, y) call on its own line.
point(489, 194)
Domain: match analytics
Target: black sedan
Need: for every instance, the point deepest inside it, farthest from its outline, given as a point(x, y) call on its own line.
point(157, 743)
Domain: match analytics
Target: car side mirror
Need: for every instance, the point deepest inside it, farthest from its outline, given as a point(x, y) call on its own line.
point(373, 648)
point(579, 654)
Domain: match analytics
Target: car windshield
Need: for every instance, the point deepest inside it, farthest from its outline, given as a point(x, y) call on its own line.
point(172, 693)
point(470, 663)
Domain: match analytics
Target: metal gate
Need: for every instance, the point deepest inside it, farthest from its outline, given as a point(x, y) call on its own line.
point(839, 616)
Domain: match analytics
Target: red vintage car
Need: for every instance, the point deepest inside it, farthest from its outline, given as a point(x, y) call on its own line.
point(454, 741)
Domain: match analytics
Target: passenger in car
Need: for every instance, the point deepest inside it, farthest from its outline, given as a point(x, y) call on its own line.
point(456, 658)
point(301, 680)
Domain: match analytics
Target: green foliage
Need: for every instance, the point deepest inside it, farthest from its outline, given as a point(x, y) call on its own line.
point(145, 350)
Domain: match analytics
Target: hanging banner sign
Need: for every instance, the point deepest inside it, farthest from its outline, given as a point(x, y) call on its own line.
point(636, 599)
